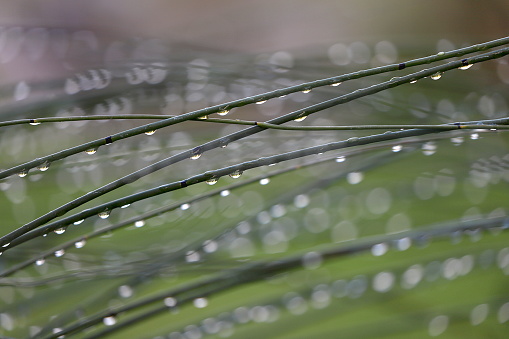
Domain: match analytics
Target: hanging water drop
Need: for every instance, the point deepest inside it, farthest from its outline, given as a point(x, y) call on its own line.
point(91, 151)
point(59, 253)
point(261, 102)
point(465, 67)
point(125, 206)
point(184, 207)
point(80, 244)
point(341, 158)
point(77, 222)
point(307, 90)
point(23, 173)
point(150, 132)
point(139, 223)
point(34, 122)
point(236, 174)
point(104, 214)
point(203, 117)
point(223, 112)
point(196, 154)
point(397, 148)
point(211, 181)
point(429, 148)
point(413, 81)
point(436, 76)
point(457, 141)
point(6, 245)
point(474, 136)
point(60, 230)
point(302, 118)
point(40, 262)
point(170, 302)
point(200, 302)
point(44, 166)
point(336, 84)
point(110, 320)
point(225, 193)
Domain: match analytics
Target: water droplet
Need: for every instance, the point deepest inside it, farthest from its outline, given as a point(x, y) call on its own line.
point(261, 102)
point(5, 245)
point(302, 118)
point(196, 154)
point(80, 244)
point(60, 230)
point(200, 302)
point(91, 151)
point(224, 145)
point(397, 148)
point(211, 181)
point(59, 253)
point(465, 67)
point(429, 148)
point(436, 76)
point(336, 84)
point(223, 112)
point(40, 262)
point(104, 214)
point(44, 166)
point(150, 132)
point(307, 90)
point(23, 173)
point(379, 249)
point(474, 136)
point(413, 81)
point(125, 206)
point(457, 141)
point(236, 174)
point(139, 223)
point(203, 117)
point(440, 53)
point(225, 193)
point(170, 302)
point(34, 122)
point(264, 181)
point(77, 222)
point(110, 320)
point(341, 158)
point(184, 207)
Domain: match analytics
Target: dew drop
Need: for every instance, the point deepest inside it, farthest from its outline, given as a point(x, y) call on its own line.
point(23, 173)
point(211, 181)
point(436, 76)
point(225, 193)
point(104, 214)
point(109, 321)
point(413, 81)
point(91, 151)
point(264, 181)
point(236, 174)
point(203, 117)
point(397, 148)
point(34, 122)
point(474, 136)
point(125, 206)
point(307, 90)
point(184, 207)
point(336, 84)
point(40, 262)
point(60, 230)
point(170, 302)
point(150, 132)
point(464, 68)
point(223, 112)
point(80, 244)
point(196, 155)
point(302, 118)
point(457, 141)
point(440, 53)
point(6, 245)
point(261, 102)
point(429, 148)
point(44, 166)
point(78, 222)
point(59, 253)
point(379, 249)
point(139, 223)
point(341, 158)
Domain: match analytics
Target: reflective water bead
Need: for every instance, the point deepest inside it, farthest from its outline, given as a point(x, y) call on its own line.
point(203, 117)
point(211, 181)
point(104, 214)
point(34, 122)
point(184, 207)
point(307, 90)
point(44, 166)
point(223, 112)
point(457, 141)
point(397, 148)
point(196, 155)
point(110, 320)
point(302, 118)
point(59, 253)
point(236, 174)
point(40, 262)
point(78, 222)
point(150, 132)
point(436, 76)
point(80, 244)
point(60, 230)
point(91, 151)
point(474, 136)
point(261, 102)
point(23, 173)
point(125, 206)
point(200, 302)
point(413, 81)
point(264, 181)
point(341, 158)
point(429, 148)
point(170, 302)
point(336, 84)
point(225, 193)
point(465, 67)
point(139, 223)
point(6, 245)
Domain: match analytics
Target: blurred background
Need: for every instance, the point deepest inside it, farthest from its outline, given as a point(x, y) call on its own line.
point(69, 58)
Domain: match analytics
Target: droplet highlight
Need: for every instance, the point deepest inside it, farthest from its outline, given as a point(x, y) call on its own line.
point(236, 174)
point(104, 214)
point(436, 76)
